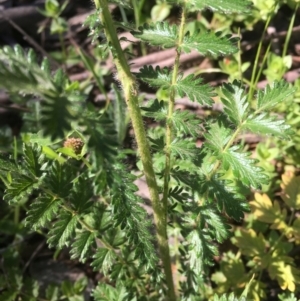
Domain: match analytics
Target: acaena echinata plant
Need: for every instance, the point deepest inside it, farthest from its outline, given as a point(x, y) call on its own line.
point(82, 191)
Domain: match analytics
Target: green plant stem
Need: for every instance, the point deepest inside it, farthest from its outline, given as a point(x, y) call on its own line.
point(253, 75)
point(262, 65)
point(131, 96)
point(289, 32)
point(169, 126)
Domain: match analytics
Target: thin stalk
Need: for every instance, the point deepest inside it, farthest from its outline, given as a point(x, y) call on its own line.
point(130, 90)
point(169, 126)
point(289, 32)
point(253, 76)
point(262, 65)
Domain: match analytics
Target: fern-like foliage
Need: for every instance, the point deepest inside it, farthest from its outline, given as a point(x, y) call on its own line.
point(21, 74)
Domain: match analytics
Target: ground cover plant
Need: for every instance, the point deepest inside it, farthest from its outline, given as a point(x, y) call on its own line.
point(71, 174)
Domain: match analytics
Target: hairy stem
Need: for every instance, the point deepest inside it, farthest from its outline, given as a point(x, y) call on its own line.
point(131, 96)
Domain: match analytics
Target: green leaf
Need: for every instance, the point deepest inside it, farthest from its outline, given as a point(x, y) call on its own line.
point(129, 214)
point(185, 149)
point(22, 75)
point(62, 231)
point(225, 6)
point(42, 211)
point(104, 259)
point(217, 137)
point(155, 109)
point(186, 122)
point(227, 198)
point(120, 114)
point(83, 243)
point(209, 44)
point(106, 292)
point(194, 89)
point(81, 195)
point(56, 116)
point(268, 125)
point(33, 159)
point(102, 133)
point(155, 77)
point(243, 167)
point(60, 179)
point(235, 102)
point(200, 250)
point(273, 94)
point(20, 187)
point(214, 222)
point(160, 34)
point(178, 194)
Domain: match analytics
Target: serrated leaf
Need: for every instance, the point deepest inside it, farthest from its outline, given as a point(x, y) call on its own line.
point(33, 159)
point(178, 194)
point(83, 243)
point(155, 109)
point(200, 250)
point(227, 198)
point(81, 195)
point(160, 34)
point(186, 122)
point(209, 44)
point(20, 187)
point(268, 125)
point(41, 211)
point(243, 167)
point(217, 137)
point(56, 116)
point(183, 148)
point(62, 231)
point(225, 6)
point(214, 223)
point(272, 95)
point(130, 216)
point(60, 179)
point(194, 89)
point(104, 259)
point(155, 77)
point(235, 102)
